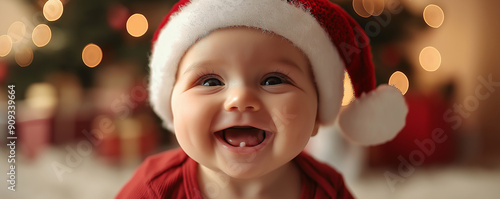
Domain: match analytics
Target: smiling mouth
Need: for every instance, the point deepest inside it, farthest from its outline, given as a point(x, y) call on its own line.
point(246, 136)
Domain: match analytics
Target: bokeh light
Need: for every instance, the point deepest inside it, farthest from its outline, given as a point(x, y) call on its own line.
point(367, 8)
point(41, 35)
point(359, 8)
point(430, 58)
point(348, 90)
point(433, 16)
point(92, 55)
point(16, 31)
point(24, 57)
point(5, 45)
point(399, 80)
point(137, 25)
point(41, 96)
point(53, 10)
point(378, 7)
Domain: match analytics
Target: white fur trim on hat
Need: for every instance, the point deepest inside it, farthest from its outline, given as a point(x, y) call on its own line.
point(200, 17)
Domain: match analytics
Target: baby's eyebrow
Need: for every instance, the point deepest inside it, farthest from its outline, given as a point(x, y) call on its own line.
point(207, 65)
point(289, 63)
point(198, 66)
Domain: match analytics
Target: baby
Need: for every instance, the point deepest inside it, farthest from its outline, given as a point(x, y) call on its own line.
point(244, 85)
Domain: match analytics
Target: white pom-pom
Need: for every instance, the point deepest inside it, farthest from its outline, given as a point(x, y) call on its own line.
point(374, 118)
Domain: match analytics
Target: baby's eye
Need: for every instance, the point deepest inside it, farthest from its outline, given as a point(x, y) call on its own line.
point(212, 82)
point(275, 79)
point(272, 81)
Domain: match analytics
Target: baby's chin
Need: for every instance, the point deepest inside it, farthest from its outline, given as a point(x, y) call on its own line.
point(237, 170)
point(242, 171)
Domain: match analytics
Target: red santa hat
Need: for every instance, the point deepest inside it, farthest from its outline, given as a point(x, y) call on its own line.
point(330, 38)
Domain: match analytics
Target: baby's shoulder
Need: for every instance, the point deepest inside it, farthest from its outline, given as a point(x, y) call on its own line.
point(163, 165)
point(159, 175)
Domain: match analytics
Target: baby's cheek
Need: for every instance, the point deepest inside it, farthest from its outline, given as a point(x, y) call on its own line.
point(283, 116)
point(192, 113)
point(184, 117)
point(182, 114)
point(292, 112)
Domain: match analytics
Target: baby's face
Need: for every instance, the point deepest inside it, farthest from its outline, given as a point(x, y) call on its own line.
point(244, 102)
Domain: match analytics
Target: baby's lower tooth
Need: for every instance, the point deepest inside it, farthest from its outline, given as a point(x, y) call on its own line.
point(242, 144)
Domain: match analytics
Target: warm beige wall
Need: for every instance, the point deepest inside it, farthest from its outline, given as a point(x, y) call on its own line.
point(469, 43)
point(488, 62)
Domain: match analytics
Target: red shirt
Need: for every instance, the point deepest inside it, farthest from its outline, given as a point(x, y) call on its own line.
point(173, 174)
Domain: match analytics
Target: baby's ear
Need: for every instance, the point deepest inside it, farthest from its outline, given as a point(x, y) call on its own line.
point(316, 128)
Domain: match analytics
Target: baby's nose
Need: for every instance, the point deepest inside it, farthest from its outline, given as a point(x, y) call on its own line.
point(241, 99)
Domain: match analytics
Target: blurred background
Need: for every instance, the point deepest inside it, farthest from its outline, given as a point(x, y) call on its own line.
point(84, 124)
